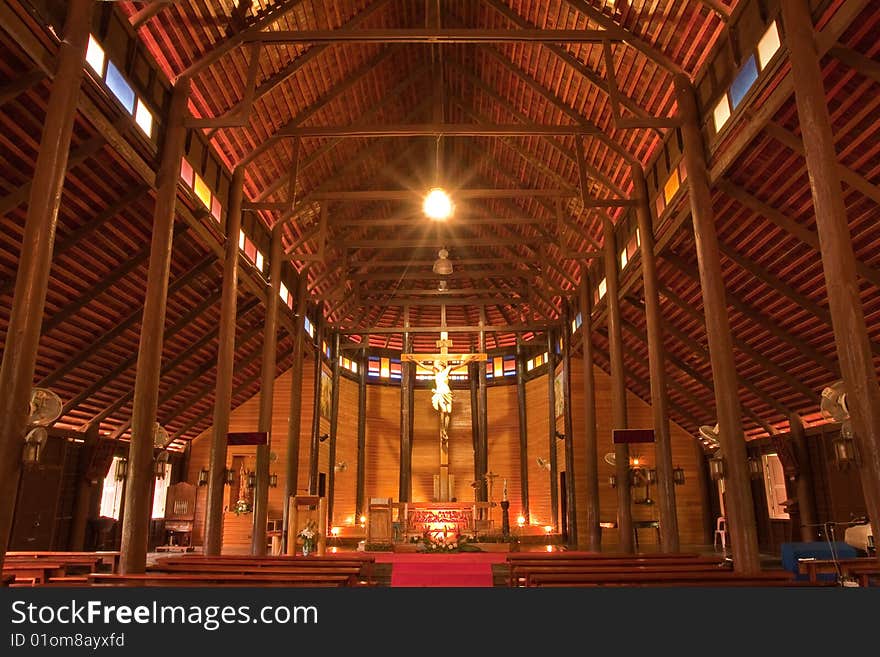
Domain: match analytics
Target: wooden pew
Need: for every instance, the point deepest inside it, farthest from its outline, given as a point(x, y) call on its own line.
point(526, 574)
point(364, 562)
point(352, 571)
point(107, 559)
point(32, 572)
point(309, 580)
point(862, 569)
point(653, 579)
point(519, 564)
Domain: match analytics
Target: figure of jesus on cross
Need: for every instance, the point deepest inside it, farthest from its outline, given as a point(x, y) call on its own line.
point(442, 365)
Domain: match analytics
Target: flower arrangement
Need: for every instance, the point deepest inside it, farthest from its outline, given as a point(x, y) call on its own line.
point(242, 506)
point(309, 535)
point(445, 542)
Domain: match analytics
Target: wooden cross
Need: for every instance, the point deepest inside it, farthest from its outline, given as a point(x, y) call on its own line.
point(442, 365)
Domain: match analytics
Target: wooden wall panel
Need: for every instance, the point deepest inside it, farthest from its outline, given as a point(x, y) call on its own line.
point(537, 420)
point(504, 446)
point(382, 459)
point(346, 452)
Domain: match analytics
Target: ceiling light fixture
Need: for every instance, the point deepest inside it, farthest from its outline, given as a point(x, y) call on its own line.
point(437, 204)
point(442, 265)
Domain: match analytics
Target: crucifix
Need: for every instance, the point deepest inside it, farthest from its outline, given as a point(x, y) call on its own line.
point(442, 365)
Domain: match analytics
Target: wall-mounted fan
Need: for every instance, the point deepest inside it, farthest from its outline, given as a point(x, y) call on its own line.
point(543, 463)
point(45, 407)
point(610, 459)
point(833, 406)
point(161, 438)
point(709, 436)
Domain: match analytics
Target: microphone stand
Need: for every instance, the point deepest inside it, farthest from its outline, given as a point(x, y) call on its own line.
point(828, 528)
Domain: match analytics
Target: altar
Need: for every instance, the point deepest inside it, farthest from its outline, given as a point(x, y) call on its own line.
point(446, 518)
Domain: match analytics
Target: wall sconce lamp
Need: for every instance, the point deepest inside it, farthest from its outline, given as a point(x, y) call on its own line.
point(203, 477)
point(717, 468)
point(121, 469)
point(612, 481)
point(159, 465)
point(33, 445)
point(273, 480)
point(229, 477)
point(560, 435)
point(323, 437)
point(844, 450)
point(251, 479)
point(756, 470)
point(678, 476)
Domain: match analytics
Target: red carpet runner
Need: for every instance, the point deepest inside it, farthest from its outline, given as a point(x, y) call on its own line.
point(472, 569)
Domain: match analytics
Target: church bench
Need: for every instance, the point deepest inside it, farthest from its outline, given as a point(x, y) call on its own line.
point(525, 575)
point(310, 580)
point(812, 568)
point(35, 571)
point(573, 554)
point(516, 566)
point(68, 580)
point(105, 558)
point(765, 578)
point(352, 571)
point(363, 562)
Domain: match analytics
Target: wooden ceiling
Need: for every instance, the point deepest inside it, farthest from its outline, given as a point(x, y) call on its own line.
point(512, 263)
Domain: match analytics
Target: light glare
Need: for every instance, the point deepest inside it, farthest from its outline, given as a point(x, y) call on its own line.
point(437, 204)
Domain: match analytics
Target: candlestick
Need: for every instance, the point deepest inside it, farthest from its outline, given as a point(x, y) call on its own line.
point(504, 492)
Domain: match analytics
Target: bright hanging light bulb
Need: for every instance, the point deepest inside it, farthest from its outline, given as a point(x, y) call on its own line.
point(437, 204)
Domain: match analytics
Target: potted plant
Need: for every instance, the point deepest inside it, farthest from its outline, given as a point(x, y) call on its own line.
point(309, 536)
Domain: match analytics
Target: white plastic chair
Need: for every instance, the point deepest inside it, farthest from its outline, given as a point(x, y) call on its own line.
point(720, 533)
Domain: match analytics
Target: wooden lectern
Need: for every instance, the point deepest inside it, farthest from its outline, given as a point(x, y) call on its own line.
point(379, 522)
point(303, 508)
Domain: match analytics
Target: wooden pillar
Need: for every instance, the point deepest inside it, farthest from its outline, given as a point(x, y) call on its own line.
point(32, 277)
point(294, 417)
point(483, 416)
point(570, 474)
point(225, 365)
point(551, 394)
point(407, 376)
point(618, 390)
point(669, 540)
point(473, 376)
point(136, 526)
point(704, 494)
point(334, 422)
point(360, 497)
point(267, 395)
point(85, 487)
point(590, 479)
point(738, 499)
point(316, 407)
point(523, 428)
point(838, 259)
point(804, 484)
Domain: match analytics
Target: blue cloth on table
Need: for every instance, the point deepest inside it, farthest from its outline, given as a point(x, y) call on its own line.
point(791, 552)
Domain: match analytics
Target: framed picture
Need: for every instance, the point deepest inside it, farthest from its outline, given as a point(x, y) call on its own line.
point(326, 393)
point(559, 396)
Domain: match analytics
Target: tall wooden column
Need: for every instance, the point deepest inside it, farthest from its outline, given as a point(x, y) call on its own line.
point(482, 417)
point(407, 376)
point(618, 390)
point(35, 261)
point(225, 365)
point(804, 484)
point(334, 423)
point(523, 428)
point(294, 418)
point(704, 487)
point(669, 541)
point(136, 526)
point(570, 475)
point(314, 448)
point(838, 259)
point(551, 395)
point(740, 509)
point(267, 395)
point(591, 454)
point(473, 375)
point(360, 497)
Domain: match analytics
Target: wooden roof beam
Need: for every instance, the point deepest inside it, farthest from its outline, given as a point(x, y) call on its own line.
point(857, 61)
point(431, 35)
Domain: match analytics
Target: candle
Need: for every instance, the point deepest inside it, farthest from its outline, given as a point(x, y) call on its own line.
point(504, 492)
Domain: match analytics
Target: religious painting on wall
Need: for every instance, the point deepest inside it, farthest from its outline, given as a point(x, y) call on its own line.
point(326, 393)
point(559, 397)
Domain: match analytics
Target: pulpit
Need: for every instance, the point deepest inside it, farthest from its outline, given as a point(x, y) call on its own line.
point(379, 522)
point(302, 509)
